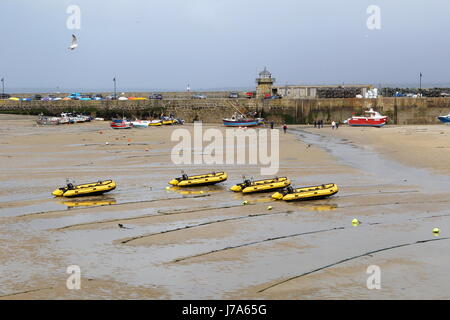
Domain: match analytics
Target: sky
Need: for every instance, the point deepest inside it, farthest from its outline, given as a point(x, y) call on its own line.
point(213, 44)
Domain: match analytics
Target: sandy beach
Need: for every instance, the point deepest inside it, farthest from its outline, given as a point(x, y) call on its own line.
point(203, 243)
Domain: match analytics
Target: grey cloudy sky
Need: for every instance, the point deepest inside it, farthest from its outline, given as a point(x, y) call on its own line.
point(221, 43)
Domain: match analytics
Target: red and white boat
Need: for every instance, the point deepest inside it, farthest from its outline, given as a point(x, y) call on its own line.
point(371, 119)
point(120, 124)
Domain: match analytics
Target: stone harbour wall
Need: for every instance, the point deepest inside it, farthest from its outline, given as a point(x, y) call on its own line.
point(212, 110)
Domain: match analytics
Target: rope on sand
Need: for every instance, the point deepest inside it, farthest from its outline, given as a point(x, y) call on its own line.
point(24, 292)
point(349, 259)
point(160, 214)
point(256, 242)
point(202, 224)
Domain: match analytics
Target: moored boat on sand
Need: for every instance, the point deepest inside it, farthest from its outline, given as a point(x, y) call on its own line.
point(240, 120)
point(307, 193)
point(87, 189)
point(120, 124)
point(372, 119)
point(48, 120)
point(155, 123)
point(266, 185)
point(140, 123)
point(445, 119)
point(199, 180)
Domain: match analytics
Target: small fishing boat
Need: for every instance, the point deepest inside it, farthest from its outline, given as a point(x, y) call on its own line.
point(120, 124)
point(445, 119)
point(64, 120)
point(87, 189)
point(306, 193)
point(169, 122)
point(140, 124)
point(266, 185)
point(155, 123)
point(199, 180)
point(44, 120)
point(372, 119)
point(240, 120)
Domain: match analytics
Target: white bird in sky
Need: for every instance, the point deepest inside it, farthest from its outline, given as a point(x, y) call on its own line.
point(74, 43)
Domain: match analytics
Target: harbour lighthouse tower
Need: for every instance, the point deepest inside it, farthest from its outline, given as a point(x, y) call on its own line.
point(264, 84)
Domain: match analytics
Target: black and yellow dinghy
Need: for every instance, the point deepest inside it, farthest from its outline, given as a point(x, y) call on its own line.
point(261, 185)
point(87, 189)
point(169, 122)
point(307, 193)
point(199, 180)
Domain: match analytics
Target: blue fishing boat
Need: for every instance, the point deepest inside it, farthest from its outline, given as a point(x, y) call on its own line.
point(239, 120)
point(445, 119)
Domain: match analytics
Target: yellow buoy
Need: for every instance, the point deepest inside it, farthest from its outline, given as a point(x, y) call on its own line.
point(244, 202)
point(355, 222)
point(436, 231)
point(269, 208)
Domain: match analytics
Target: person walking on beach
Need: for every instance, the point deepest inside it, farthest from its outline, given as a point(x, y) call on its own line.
point(284, 128)
point(315, 123)
point(272, 124)
point(333, 125)
point(337, 125)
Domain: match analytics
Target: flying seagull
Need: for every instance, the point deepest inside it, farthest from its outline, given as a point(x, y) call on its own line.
point(74, 43)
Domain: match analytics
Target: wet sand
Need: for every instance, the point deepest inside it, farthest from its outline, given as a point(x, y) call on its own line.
point(204, 243)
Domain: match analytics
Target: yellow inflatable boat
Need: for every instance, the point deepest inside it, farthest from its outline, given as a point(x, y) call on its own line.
point(307, 193)
point(261, 185)
point(199, 180)
point(169, 122)
point(87, 189)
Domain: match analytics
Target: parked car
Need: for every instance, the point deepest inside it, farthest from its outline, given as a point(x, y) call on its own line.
point(111, 97)
point(26, 99)
point(85, 97)
point(4, 96)
point(74, 96)
point(233, 95)
point(199, 96)
point(97, 97)
point(122, 98)
point(273, 97)
point(137, 98)
point(37, 97)
point(156, 96)
point(250, 95)
point(50, 97)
